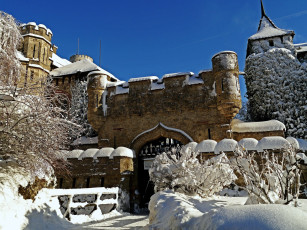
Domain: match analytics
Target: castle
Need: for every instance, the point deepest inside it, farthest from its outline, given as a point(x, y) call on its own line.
point(148, 114)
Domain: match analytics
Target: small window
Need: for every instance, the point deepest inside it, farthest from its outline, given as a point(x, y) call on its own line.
point(88, 182)
point(209, 134)
point(74, 180)
point(63, 80)
point(101, 181)
point(34, 51)
point(271, 42)
point(32, 75)
point(56, 81)
point(222, 85)
point(44, 55)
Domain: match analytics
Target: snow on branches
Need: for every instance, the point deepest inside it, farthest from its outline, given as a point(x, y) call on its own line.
point(276, 85)
point(183, 172)
point(269, 178)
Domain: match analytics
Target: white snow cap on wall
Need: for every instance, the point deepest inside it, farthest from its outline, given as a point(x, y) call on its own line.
point(248, 143)
point(298, 143)
point(89, 153)
point(239, 126)
point(274, 142)
point(191, 145)
point(74, 154)
point(225, 145)
point(104, 152)
point(37, 26)
point(206, 146)
point(149, 78)
point(122, 152)
point(177, 74)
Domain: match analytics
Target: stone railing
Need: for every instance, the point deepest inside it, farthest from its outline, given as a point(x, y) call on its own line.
point(86, 201)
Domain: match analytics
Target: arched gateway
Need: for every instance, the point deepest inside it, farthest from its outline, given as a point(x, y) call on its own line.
point(149, 144)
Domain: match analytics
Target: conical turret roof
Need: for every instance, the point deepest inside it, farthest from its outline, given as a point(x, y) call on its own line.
point(268, 29)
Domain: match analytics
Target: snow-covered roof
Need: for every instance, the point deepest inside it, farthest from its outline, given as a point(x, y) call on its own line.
point(301, 48)
point(206, 146)
point(225, 145)
point(248, 143)
point(274, 142)
point(122, 152)
point(74, 154)
point(298, 143)
point(85, 141)
point(193, 80)
point(21, 57)
point(261, 126)
point(58, 61)
point(268, 29)
point(79, 66)
point(177, 74)
point(89, 153)
point(39, 67)
point(157, 85)
point(149, 78)
point(104, 152)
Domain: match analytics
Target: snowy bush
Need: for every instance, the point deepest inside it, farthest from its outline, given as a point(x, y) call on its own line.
point(269, 178)
point(183, 172)
point(276, 85)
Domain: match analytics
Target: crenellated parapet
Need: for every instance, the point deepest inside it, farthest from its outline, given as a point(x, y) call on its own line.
point(200, 104)
point(32, 29)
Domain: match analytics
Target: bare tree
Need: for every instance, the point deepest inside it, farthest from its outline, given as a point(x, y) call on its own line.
point(185, 173)
point(33, 121)
point(269, 178)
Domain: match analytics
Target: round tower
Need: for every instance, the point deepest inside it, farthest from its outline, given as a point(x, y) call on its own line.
point(226, 74)
point(79, 57)
point(96, 85)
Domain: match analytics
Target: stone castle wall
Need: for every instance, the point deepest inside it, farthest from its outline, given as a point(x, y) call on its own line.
point(195, 106)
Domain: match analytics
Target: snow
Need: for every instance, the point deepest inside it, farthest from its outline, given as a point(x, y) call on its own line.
point(39, 67)
point(301, 48)
point(224, 52)
point(297, 143)
point(204, 71)
point(213, 92)
point(157, 85)
point(248, 143)
point(76, 153)
point(89, 153)
point(79, 66)
point(58, 61)
point(104, 152)
point(267, 29)
point(120, 90)
point(193, 80)
point(122, 152)
point(37, 26)
point(21, 57)
point(274, 142)
point(206, 146)
point(192, 145)
point(85, 141)
point(225, 145)
point(177, 74)
point(149, 78)
point(169, 210)
point(260, 126)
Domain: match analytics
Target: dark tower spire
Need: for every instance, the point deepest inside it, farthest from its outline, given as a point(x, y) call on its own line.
point(262, 10)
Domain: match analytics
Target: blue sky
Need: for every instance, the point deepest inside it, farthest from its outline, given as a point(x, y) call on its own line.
point(144, 38)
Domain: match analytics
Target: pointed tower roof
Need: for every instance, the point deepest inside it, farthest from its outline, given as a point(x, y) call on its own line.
point(268, 29)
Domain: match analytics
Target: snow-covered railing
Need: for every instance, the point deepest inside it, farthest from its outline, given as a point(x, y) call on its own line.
point(88, 201)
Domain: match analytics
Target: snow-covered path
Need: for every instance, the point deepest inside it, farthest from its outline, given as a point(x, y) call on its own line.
point(118, 222)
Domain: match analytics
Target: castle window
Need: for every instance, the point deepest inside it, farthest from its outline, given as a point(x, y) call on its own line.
point(271, 42)
point(56, 81)
point(34, 51)
point(101, 181)
point(74, 180)
point(69, 79)
point(32, 75)
point(222, 85)
point(88, 182)
point(44, 55)
point(209, 134)
point(63, 80)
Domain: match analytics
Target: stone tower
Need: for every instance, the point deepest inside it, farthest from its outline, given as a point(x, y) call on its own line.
point(36, 53)
point(79, 57)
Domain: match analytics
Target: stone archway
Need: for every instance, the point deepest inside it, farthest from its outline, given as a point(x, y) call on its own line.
point(160, 135)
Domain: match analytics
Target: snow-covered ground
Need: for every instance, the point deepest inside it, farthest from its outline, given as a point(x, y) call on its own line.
point(169, 210)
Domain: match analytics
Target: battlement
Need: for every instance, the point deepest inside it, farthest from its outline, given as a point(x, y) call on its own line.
point(38, 31)
point(79, 57)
